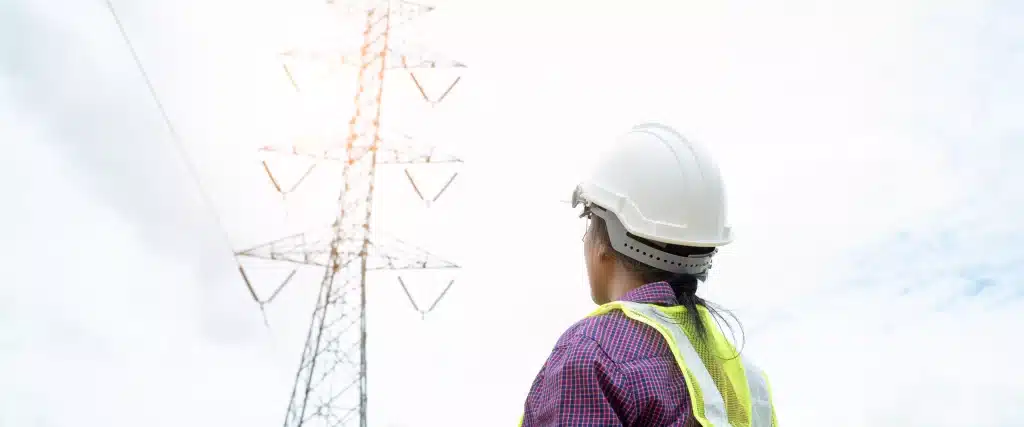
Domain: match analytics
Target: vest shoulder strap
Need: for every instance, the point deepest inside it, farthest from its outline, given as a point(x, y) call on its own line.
point(711, 410)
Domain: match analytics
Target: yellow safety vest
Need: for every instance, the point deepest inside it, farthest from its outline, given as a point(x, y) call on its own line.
point(725, 391)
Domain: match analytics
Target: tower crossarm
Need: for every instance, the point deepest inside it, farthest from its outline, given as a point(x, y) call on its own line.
point(396, 59)
point(314, 249)
point(391, 151)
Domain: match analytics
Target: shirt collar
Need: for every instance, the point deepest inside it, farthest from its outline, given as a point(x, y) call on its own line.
point(652, 293)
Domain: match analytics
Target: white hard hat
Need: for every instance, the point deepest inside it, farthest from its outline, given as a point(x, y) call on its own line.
point(661, 187)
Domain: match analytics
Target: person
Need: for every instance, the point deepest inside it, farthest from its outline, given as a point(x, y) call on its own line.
point(653, 353)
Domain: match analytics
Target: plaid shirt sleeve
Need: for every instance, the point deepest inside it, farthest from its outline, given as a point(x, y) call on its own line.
point(579, 385)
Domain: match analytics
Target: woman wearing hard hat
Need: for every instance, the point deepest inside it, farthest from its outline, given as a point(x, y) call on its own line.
point(651, 354)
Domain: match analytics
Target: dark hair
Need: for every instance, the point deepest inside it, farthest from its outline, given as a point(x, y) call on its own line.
point(684, 286)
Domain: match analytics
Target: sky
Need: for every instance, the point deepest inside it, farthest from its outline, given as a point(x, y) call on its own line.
point(869, 150)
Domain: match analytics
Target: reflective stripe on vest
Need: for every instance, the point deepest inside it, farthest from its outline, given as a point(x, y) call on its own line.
point(714, 414)
point(760, 396)
point(714, 406)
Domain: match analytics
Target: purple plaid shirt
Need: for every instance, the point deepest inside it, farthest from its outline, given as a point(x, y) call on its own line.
point(610, 370)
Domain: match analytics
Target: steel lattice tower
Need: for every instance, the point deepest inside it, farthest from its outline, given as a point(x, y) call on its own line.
point(330, 386)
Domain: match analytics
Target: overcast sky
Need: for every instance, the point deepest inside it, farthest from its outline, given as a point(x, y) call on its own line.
point(870, 150)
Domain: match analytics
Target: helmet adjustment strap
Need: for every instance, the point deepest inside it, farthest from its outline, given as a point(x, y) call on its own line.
point(696, 265)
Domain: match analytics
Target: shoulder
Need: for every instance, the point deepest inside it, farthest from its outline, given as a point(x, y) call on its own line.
point(613, 335)
point(577, 360)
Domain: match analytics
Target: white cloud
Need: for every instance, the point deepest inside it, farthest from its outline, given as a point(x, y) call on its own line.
point(96, 328)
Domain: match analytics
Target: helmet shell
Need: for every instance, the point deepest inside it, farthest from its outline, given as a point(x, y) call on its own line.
point(662, 187)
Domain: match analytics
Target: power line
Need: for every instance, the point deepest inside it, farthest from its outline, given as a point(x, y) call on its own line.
point(177, 141)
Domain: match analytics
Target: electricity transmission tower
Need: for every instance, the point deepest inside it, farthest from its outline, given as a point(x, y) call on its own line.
point(330, 386)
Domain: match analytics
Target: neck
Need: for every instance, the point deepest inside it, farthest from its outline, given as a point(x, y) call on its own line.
point(620, 284)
